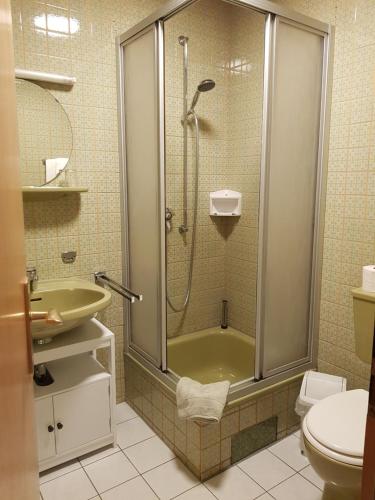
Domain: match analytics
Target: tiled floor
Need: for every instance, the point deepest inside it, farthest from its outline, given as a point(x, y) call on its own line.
point(141, 467)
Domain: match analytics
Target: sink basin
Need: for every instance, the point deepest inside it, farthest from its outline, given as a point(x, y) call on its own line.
point(75, 300)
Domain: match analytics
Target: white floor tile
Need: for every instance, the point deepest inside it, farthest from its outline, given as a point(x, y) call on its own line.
point(135, 489)
point(170, 479)
point(124, 412)
point(312, 476)
point(58, 471)
point(288, 450)
point(234, 483)
point(132, 432)
point(266, 469)
point(110, 471)
point(266, 496)
point(149, 454)
point(89, 458)
point(73, 486)
point(296, 488)
point(199, 492)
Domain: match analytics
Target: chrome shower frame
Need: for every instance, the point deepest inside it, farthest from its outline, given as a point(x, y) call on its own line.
point(271, 11)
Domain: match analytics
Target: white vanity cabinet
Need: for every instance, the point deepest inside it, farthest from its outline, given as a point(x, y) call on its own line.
point(82, 416)
point(75, 414)
point(45, 428)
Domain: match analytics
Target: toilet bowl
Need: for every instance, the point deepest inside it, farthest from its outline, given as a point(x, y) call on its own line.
point(334, 435)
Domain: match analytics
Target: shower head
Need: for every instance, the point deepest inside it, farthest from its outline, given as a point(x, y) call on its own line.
point(204, 86)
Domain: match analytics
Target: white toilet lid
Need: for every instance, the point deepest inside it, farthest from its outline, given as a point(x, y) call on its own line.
point(338, 423)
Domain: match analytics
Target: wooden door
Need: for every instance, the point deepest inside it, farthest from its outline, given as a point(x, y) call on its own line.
point(18, 455)
point(368, 478)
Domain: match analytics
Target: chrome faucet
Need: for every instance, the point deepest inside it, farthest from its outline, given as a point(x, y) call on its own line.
point(32, 278)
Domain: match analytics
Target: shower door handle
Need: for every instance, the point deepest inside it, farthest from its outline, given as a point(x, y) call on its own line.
point(168, 214)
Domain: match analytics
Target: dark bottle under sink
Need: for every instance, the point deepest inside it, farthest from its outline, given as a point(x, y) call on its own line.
point(42, 376)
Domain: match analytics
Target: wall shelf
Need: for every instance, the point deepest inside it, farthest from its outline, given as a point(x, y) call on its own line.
point(44, 192)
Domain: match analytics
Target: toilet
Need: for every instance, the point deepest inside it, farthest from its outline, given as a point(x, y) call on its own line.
point(334, 435)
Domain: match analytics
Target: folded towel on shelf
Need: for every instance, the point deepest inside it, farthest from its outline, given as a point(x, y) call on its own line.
point(201, 402)
point(54, 166)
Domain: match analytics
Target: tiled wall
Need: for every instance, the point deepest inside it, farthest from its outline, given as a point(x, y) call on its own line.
point(349, 240)
point(244, 119)
point(230, 53)
point(207, 449)
point(76, 37)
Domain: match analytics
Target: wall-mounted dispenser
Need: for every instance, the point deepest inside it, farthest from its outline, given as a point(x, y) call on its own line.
point(225, 203)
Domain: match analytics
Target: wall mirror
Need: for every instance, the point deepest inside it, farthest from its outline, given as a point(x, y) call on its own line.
point(45, 134)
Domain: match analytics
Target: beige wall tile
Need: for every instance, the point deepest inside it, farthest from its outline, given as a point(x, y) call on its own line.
point(248, 416)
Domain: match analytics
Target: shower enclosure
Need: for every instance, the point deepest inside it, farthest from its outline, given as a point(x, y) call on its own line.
point(222, 126)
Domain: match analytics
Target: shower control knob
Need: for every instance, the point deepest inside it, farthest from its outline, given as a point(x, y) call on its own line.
point(168, 214)
point(59, 425)
point(50, 428)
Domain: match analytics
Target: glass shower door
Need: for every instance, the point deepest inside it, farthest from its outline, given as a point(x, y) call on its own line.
point(144, 192)
point(290, 198)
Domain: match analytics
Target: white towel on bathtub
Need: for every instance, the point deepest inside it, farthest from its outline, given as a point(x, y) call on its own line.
point(201, 402)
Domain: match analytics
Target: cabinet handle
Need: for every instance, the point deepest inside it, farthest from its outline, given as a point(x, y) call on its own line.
point(50, 428)
point(59, 425)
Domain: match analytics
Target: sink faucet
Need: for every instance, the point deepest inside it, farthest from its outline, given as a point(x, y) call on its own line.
point(32, 278)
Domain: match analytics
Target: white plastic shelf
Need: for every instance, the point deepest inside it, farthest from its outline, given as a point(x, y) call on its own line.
point(87, 337)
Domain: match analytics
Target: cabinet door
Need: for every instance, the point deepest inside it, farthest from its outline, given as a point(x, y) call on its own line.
point(81, 415)
point(45, 428)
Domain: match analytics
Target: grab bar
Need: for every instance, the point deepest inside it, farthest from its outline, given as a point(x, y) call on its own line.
point(102, 279)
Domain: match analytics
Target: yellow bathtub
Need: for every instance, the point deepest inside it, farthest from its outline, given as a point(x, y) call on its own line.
point(211, 355)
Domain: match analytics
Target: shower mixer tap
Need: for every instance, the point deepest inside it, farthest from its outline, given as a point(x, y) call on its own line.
point(168, 214)
point(168, 219)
